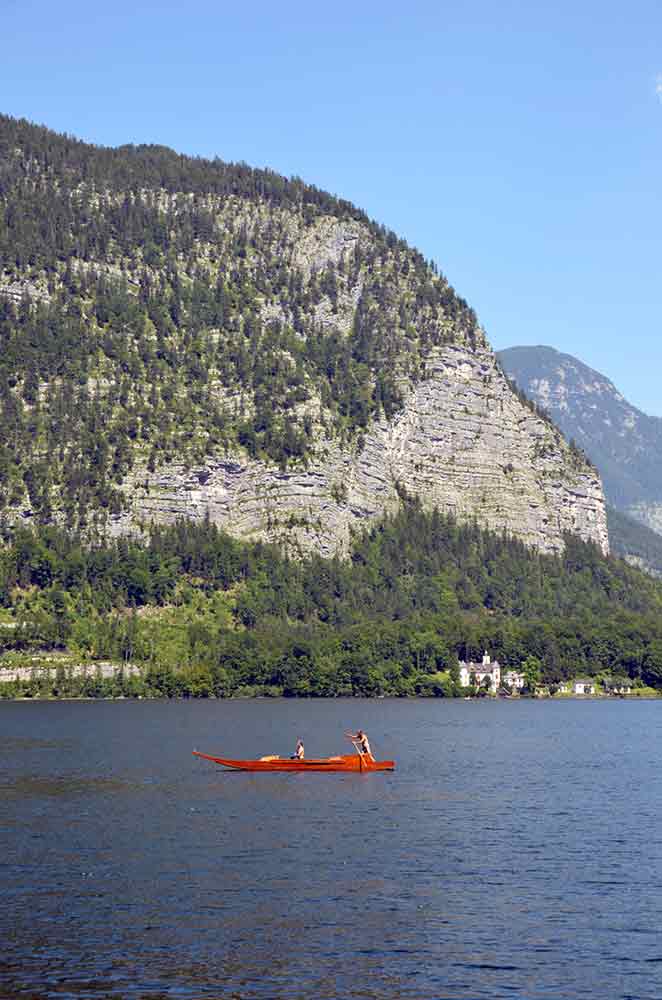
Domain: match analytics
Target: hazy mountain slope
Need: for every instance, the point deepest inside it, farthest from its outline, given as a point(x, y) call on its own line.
point(186, 337)
point(634, 542)
point(624, 443)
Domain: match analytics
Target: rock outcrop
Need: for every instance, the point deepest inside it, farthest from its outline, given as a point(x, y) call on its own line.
point(463, 442)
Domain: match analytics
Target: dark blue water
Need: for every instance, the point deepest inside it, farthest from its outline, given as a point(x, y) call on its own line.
point(515, 852)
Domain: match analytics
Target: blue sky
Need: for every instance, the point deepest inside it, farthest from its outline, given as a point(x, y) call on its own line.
point(517, 144)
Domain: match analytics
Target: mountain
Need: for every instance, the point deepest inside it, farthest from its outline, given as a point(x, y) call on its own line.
point(183, 337)
point(634, 542)
point(624, 443)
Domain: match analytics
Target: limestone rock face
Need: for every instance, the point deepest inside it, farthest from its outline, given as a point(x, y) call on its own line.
point(462, 442)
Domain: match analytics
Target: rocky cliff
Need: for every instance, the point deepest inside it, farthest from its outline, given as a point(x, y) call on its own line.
point(191, 338)
point(463, 442)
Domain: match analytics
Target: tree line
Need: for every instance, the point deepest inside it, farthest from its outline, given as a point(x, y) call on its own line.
point(202, 613)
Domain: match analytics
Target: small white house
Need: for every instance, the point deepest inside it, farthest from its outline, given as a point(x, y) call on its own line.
point(475, 673)
point(583, 685)
point(617, 685)
point(514, 680)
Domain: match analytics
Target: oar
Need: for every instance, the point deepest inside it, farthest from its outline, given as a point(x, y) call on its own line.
point(357, 747)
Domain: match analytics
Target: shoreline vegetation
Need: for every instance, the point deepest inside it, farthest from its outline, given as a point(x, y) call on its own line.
point(187, 611)
point(638, 694)
point(122, 682)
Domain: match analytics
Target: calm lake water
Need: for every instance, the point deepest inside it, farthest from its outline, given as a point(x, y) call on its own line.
point(514, 853)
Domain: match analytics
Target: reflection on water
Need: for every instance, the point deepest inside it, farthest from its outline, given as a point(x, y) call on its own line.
point(30, 784)
point(11, 744)
point(509, 855)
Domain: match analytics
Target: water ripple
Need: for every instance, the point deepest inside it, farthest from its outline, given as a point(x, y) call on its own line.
point(495, 862)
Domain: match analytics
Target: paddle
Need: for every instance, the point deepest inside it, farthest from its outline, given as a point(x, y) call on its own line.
point(357, 747)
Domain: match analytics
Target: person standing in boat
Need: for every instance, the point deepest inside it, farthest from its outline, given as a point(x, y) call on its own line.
point(363, 744)
point(299, 753)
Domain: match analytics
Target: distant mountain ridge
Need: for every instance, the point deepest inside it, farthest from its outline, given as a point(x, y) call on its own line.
point(624, 443)
point(635, 542)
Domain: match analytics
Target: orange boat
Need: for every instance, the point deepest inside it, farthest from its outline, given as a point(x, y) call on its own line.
point(348, 762)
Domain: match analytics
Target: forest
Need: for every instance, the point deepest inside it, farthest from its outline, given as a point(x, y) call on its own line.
point(202, 614)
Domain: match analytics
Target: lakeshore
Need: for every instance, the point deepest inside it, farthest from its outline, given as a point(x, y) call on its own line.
point(59, 678)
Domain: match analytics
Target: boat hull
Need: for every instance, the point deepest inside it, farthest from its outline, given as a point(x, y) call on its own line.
point(349, 762)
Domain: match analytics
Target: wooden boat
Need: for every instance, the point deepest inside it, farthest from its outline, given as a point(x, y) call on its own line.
point(348, 762)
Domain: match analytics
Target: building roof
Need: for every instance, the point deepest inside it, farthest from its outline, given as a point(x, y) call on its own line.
point(482, 668)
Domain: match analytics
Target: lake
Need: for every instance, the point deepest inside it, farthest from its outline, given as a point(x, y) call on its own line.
point(514, 853)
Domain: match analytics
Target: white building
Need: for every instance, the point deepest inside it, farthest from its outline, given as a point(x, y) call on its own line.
point(617, 685)
point(582, 685)
point(514, 680)
point(475, 673)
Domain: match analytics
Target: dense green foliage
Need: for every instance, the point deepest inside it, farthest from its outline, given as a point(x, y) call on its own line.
point(204, 614)
point(155, 307)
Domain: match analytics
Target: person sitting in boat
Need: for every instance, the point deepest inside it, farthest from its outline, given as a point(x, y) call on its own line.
point(299, 753)
point(360, 738)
